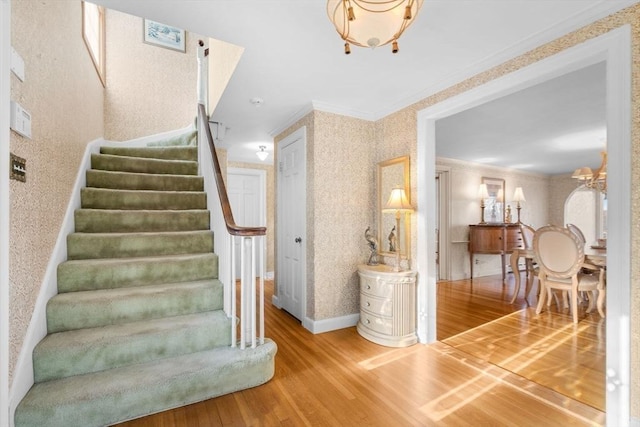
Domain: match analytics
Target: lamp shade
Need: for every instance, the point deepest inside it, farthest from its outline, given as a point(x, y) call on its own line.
point(483, 193)
point(518, 195)
point(582, 173)
point(398, 201)
point(372, 23)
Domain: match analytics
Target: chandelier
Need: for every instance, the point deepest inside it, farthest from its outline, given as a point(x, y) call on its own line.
point(372, 23)
point(596, 180)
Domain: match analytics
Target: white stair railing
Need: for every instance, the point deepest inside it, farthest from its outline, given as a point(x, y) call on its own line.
point(250, 311)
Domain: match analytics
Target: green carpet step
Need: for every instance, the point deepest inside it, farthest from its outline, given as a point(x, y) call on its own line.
point(143, 181)
point(123, 221)
point(92, 309)
point(167, 153)
point(102, 198)
point(89, 350)
point(108, 397)
point(109, 273)
point(143, 165)
point(123, 245)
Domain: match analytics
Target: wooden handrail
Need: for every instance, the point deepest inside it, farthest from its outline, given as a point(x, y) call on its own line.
point(232, 228)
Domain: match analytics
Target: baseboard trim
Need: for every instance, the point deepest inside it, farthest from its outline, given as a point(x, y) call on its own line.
point(276, 302)
point(634, 422)
point(331, 324)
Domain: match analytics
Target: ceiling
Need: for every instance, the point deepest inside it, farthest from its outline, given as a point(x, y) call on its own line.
point(293, 59)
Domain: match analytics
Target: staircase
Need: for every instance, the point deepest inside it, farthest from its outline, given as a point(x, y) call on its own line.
point(137, 326)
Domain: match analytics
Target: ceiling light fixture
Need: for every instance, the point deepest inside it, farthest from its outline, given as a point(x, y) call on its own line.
point(372, 23)
point(595, 180)
point(262, 155)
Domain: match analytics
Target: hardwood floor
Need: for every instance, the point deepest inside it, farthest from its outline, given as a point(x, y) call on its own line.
point(340, 379)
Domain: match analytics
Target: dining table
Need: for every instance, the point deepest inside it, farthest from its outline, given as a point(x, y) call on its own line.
point(594, 255)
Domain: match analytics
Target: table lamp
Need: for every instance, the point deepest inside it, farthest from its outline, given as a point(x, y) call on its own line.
point(399, 204)
point(518, 196)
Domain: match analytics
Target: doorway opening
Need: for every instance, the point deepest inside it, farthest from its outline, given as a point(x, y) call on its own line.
point(614, 48)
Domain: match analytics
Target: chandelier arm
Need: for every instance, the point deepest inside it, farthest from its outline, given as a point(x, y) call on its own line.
point(399, 3)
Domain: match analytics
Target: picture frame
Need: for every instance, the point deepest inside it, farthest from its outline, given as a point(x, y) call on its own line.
point(494, 205)
point(167, 36)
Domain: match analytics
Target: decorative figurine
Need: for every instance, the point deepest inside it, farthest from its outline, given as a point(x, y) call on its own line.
point(373, 247)
point(392, 240)
point(507, 216)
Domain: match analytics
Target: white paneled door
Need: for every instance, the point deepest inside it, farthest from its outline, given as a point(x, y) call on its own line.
point(247, 196)
point(291, 281)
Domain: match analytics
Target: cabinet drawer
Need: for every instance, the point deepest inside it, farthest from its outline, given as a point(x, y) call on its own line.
point(376, 323)
point(376, 287)
point(514, 239)
point(380, 306)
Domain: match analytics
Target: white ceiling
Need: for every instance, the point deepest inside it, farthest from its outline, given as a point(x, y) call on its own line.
point(294, 60)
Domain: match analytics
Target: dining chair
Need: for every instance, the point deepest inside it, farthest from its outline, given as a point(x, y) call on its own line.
point(559, 253)
point(576, 230)
point(528, 232)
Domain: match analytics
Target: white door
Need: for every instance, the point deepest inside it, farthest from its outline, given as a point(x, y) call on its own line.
point(291, 280)
point(247, 195)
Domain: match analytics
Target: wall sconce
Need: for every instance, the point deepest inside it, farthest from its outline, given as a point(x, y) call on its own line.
point(518, 196)
point(483, 194)
point(399, 204)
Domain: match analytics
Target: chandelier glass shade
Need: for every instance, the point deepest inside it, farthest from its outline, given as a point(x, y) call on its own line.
point(596, 180)
point(262, 154)
point(372, 23)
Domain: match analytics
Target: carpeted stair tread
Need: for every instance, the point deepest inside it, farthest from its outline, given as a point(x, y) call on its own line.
point(108, 273)
point(138, 325)
point(116, 220)
point(143, 181)
point(123, 245)
point(169, 153)
point(108, 397)
point(91, 309)
point(143, 165)
point(104, 198)
point(88, 350)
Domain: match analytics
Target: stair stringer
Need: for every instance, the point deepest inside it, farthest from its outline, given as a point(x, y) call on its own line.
point(23, 378)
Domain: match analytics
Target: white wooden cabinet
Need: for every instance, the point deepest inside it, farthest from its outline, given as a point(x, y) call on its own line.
point(387, 305)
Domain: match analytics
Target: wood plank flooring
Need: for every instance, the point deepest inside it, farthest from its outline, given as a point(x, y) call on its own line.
point(340, 379)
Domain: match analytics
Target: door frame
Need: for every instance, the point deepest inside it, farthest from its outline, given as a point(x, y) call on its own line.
point(444, 220)
point(262, 177)
point(300, 135)
point(614, 48)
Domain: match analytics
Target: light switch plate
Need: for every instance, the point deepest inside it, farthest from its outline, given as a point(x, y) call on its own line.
point(20, 120)
point(17, 64)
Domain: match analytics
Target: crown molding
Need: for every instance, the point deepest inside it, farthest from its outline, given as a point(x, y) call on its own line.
point(588, 16)
point(291, 120)
point(321, 106)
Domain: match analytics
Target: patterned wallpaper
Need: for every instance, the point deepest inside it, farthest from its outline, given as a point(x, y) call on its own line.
point(64, 95)
point(340, 206)
point(149, 89)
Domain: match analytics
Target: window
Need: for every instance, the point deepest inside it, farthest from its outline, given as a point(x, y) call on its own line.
point(93, 35)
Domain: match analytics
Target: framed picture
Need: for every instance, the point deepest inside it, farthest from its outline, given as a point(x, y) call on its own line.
point(163, 35)
point(494, 205)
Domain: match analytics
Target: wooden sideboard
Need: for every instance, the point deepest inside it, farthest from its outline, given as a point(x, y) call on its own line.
point(387, 305)
point(498, 239)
